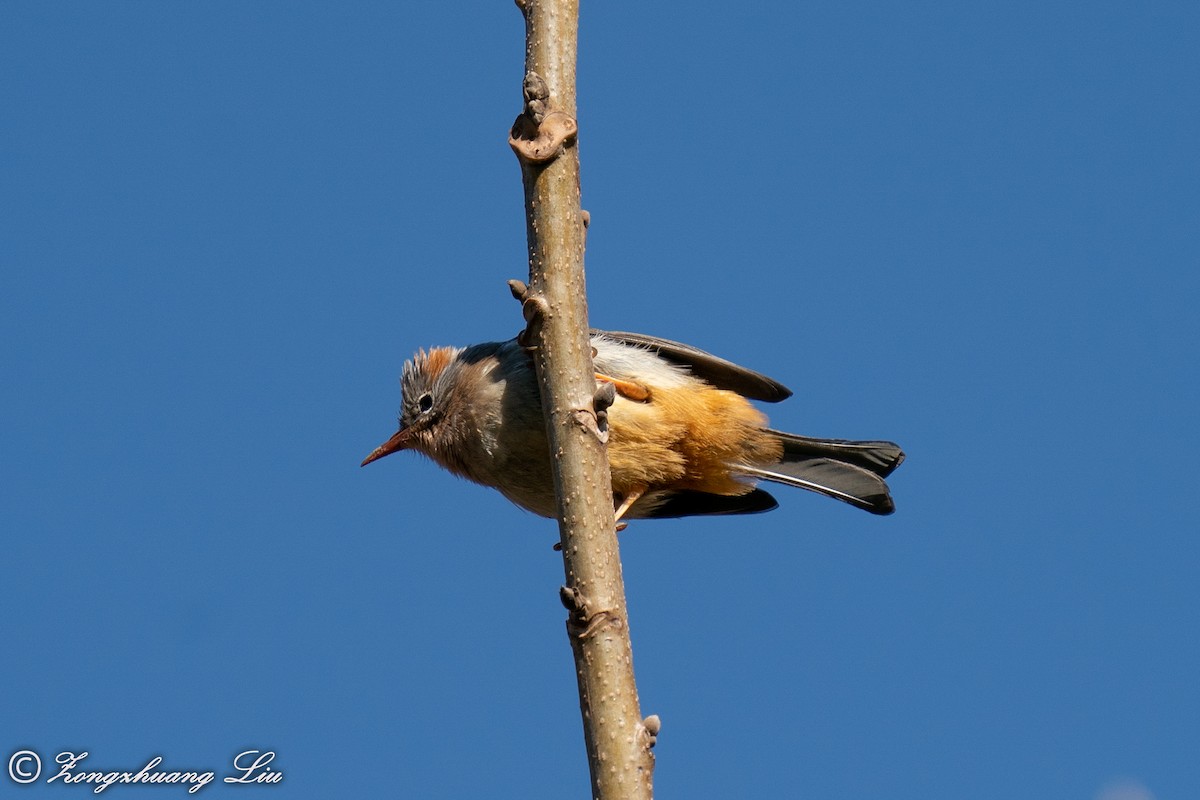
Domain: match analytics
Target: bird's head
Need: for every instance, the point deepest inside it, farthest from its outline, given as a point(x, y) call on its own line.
point(430, 404)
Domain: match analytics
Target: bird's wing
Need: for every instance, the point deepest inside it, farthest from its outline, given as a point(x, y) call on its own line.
point(717, 371)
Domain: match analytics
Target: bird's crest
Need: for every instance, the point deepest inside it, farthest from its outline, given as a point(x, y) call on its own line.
point(424, 368)
point(432, 363)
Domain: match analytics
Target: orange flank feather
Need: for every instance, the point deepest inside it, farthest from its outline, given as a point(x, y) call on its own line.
point(687, 438)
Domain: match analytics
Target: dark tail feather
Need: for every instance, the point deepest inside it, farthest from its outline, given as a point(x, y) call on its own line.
point(848, 471)
point(878, 457)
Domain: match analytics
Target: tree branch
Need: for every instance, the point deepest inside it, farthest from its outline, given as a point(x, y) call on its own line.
point(555, 305)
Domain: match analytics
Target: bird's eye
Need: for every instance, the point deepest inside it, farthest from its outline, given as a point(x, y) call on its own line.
point(425, 402)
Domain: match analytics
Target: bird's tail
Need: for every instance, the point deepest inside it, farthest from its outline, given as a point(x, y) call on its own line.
point(852, 472)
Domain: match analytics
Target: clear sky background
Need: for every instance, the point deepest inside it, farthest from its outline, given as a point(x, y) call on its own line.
point(968, 227)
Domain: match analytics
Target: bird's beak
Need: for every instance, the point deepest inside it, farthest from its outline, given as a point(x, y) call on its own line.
point(399, 441)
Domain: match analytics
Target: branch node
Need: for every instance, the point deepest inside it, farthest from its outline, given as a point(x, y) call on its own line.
point(537, 143)
point(583, 623)
point(534, 308)
point(605, 394)
point(603, 618)
point(571, 597)
point(537, 96)
point(519, 290)
point(589, 420)
point(539, 133)
point(651, 725)
point(591, 624)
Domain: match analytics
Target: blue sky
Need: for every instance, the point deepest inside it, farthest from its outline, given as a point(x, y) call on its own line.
point(968, 227)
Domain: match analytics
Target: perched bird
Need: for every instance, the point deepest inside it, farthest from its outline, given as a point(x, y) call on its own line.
point(683, 437)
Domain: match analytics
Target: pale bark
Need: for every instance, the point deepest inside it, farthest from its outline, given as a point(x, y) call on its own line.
point(618, 739)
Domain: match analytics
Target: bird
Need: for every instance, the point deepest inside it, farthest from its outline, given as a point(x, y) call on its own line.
point(683, 437)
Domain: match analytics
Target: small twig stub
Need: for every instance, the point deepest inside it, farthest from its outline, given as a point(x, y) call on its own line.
point(540, 133)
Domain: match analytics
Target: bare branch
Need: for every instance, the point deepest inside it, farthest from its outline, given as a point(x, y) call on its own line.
point(555, 307)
